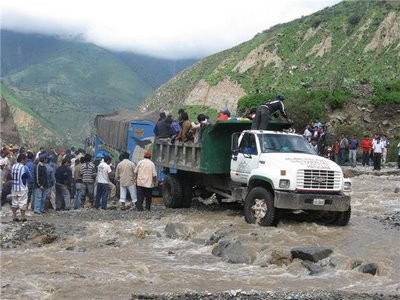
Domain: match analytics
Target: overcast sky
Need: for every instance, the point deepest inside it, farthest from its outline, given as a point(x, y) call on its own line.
point(161, 28)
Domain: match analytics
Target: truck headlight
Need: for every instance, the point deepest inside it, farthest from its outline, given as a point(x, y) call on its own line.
point(347, 186)
point(284, 183)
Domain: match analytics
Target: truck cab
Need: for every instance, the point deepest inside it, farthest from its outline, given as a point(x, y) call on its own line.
point(282, 172)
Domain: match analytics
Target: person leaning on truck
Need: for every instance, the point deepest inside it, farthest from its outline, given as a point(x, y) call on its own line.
point(145, 179)
point(264, 112)
point(124, 174)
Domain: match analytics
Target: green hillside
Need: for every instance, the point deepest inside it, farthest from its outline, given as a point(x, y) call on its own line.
point(67, 83)
point(352, 43)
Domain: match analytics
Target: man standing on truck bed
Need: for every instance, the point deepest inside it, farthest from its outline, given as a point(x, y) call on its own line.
point(264, 112)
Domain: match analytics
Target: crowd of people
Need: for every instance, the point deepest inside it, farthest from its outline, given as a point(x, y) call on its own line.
point(72, 180)
point(367, 151)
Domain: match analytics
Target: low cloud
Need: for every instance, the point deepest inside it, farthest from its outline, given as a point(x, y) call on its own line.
point(168, 29)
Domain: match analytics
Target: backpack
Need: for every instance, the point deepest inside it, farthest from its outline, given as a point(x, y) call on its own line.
point(175, 127)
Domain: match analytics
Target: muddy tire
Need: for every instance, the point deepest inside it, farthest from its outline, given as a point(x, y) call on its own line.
point(172, 192)
point(259, 208)
point(187, 191)
point(343, 218)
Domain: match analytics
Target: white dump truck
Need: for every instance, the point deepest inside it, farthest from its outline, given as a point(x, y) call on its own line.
point(269, 171)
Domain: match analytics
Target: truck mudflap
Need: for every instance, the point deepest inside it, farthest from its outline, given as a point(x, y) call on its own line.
point(287, 200)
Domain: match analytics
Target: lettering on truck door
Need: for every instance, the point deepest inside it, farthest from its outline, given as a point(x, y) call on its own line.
point(246, 160)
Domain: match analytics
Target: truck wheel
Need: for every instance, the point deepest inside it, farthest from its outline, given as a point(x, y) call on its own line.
point(172, 192)
point(187, 191)
point(343, 218)
point(259, 208)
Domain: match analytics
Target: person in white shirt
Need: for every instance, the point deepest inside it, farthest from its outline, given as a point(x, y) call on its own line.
point(146, 179)
point(103, 180)
point(378, 149)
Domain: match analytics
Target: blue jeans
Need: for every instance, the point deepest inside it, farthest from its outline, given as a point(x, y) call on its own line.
point(40, 199)
point(353, 157)
point(102, 193)
point(365, 158)
point(342, 156)
point(88, 190)
point(62, 192)
point(78, 195)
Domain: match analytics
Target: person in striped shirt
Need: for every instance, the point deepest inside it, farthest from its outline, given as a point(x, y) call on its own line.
point(19, 190)
point(88, 173)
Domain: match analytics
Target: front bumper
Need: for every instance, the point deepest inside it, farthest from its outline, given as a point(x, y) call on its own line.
point(288, 200)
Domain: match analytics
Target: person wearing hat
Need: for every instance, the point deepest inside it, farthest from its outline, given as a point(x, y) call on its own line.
point(145, 178)
point(266, 110)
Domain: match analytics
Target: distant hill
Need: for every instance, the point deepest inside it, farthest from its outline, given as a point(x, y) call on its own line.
point(67, 83)
point(351, 43)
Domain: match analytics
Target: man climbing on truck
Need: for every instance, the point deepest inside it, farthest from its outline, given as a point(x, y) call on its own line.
point(266, 110)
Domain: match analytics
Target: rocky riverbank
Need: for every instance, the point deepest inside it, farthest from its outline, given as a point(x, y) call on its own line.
point(207, 252)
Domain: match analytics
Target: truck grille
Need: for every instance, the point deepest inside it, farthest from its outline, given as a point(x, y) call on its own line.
point(318, 180)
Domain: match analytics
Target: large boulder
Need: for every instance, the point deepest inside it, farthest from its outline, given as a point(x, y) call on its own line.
point(233, 252)
point(313, 254)
point(178, 231)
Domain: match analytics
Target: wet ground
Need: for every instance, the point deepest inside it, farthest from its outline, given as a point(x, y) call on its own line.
point(96, 254)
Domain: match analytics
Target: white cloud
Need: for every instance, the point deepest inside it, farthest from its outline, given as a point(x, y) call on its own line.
point(163, 28)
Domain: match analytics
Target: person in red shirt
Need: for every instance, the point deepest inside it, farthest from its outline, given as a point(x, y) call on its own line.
point(366, 145)
point(224, 115)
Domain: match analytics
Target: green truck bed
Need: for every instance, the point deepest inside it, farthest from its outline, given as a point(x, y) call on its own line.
point(212, 155)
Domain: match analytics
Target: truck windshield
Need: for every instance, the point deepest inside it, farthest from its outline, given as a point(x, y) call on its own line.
point(284, 143)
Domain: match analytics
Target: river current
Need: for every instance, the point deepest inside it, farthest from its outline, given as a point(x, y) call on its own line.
point(101, 255)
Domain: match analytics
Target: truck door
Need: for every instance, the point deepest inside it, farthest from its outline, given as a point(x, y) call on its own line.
point(246, 159)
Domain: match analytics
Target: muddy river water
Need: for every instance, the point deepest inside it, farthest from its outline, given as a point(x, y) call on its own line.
point(112, 254)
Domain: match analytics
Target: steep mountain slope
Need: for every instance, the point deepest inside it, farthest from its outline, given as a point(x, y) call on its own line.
point(68, 82)
point(344, 46)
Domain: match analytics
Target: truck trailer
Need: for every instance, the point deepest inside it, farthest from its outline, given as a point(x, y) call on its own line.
point(268, 171)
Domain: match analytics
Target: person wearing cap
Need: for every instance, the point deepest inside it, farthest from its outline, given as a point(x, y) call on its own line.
point(224, 115)
point(145, 178)
point(124, 174)
point(266, 110)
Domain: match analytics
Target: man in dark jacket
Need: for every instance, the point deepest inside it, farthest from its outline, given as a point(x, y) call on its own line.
point(63, 183)
point(163, 127)
point(264, 112)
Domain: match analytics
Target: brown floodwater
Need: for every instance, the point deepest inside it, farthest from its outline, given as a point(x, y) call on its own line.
point(106, 258)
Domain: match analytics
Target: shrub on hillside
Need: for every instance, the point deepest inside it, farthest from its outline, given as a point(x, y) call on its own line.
point(386, 92)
